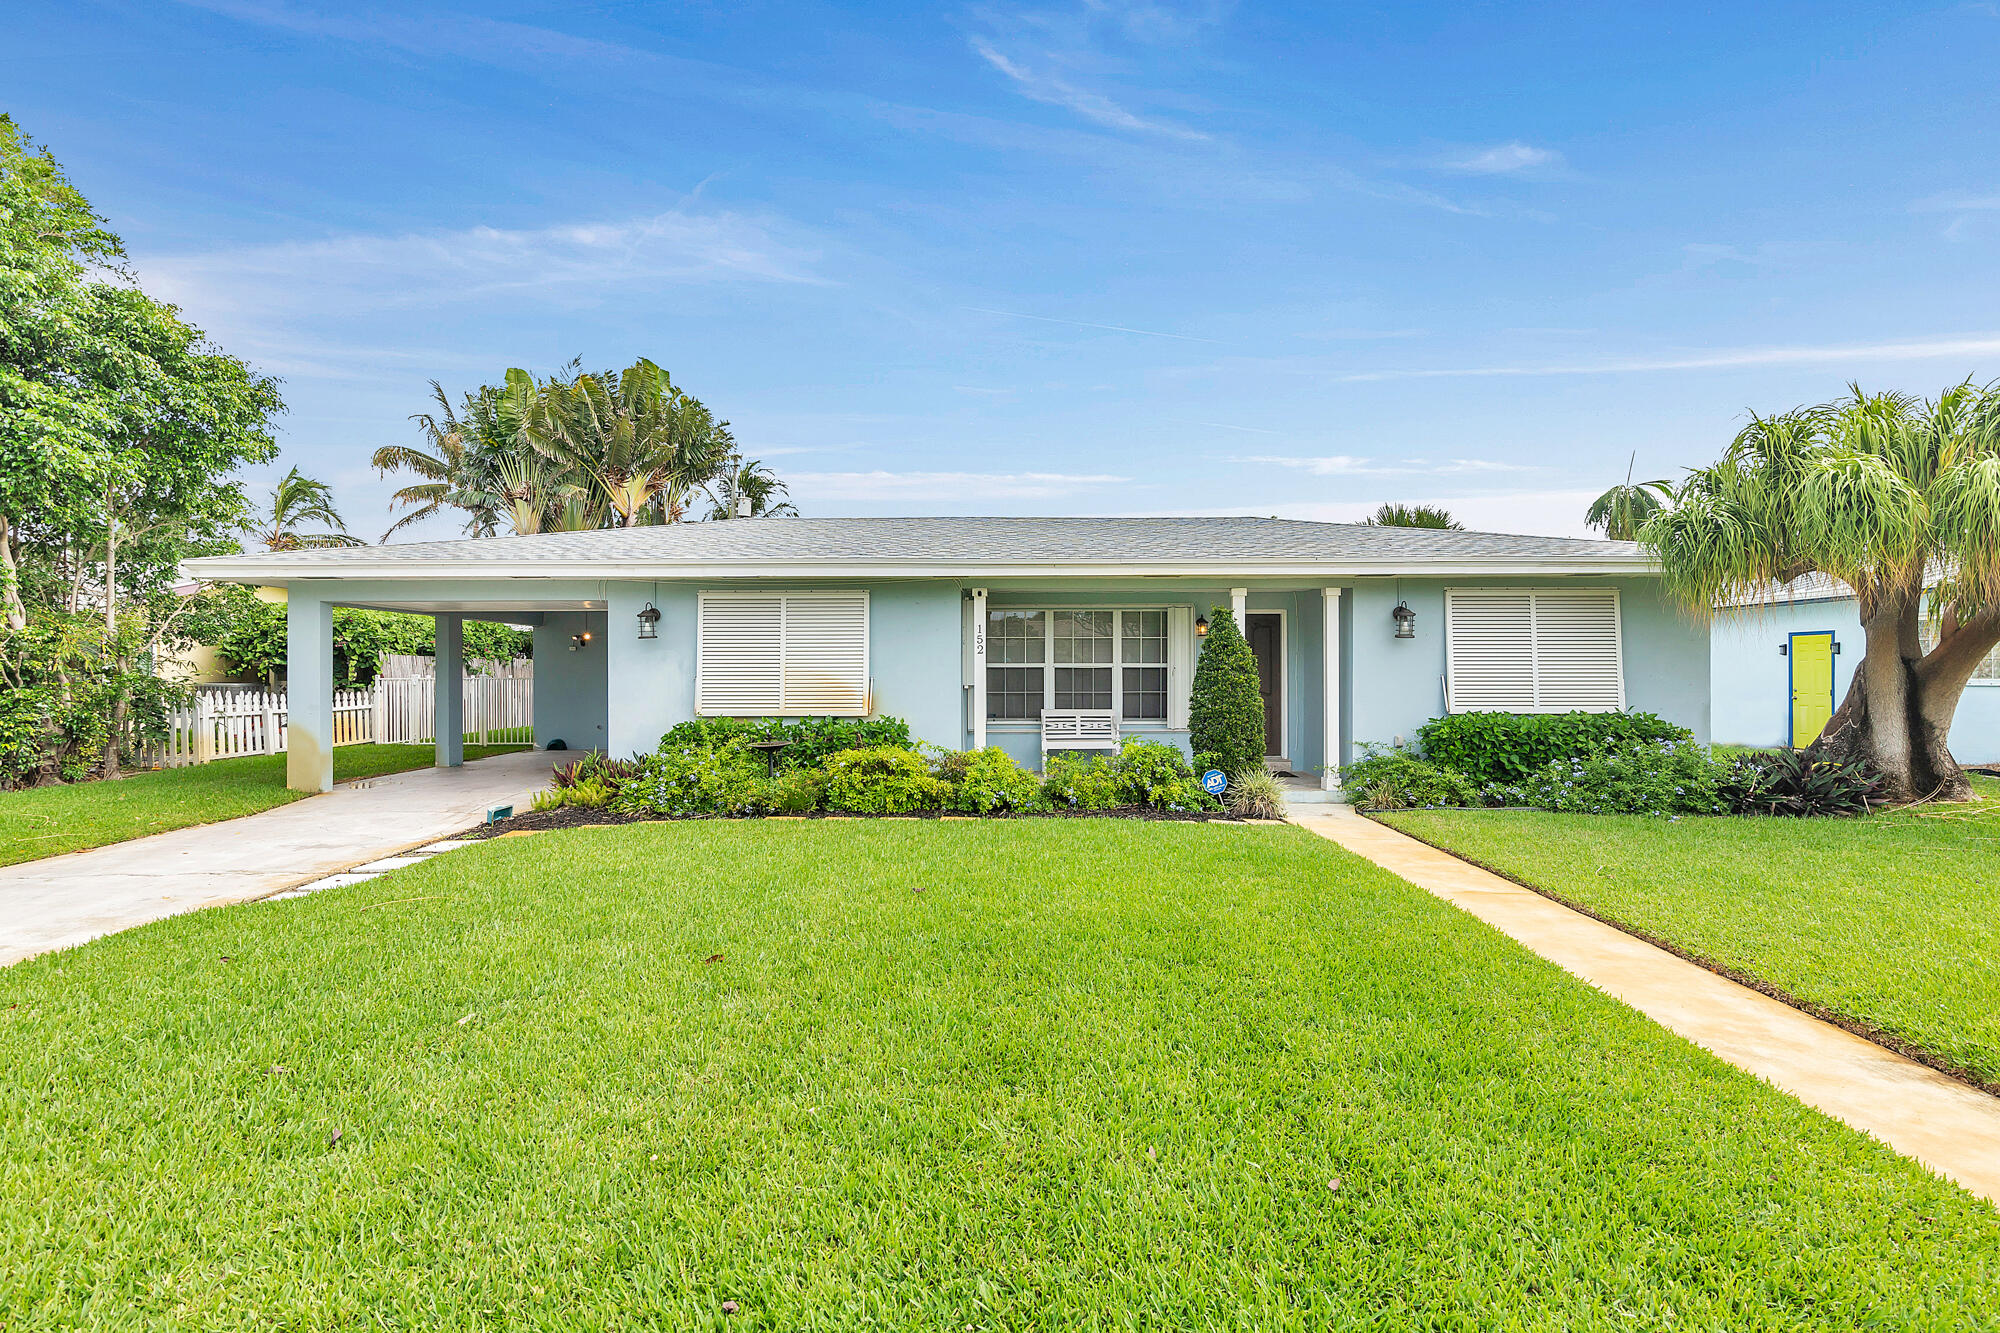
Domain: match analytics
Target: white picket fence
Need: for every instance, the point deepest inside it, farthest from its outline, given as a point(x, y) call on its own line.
point(398, 709)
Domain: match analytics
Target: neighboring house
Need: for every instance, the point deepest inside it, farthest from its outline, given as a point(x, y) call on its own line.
point(1780, 665)
point(973, 629)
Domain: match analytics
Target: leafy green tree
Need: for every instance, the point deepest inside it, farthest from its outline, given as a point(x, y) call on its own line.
point(748, 490)
point(120, 429)
point(1412, 516)
point(1225, 710)
point(297, 500)
point(1899, 498)
point(1621, 511)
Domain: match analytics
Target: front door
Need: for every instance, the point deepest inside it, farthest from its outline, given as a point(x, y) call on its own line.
point(1812, 686)
point(1266, 632)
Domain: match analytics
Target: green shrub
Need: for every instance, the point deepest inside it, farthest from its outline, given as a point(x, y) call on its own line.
point(1073, 782)
point(1508, 747)
point(1798, 784)
point(1225, 711)
point(695, 780)
point(1255, 795)
point(1671, 777)
point(1152, 774)
point(885, 780)
point(808, 741)
point(797, 791)
point(988, 781)
point(1399, 780)
point(591, 793)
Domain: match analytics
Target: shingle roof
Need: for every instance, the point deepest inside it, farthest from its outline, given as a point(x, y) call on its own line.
point(942, 546)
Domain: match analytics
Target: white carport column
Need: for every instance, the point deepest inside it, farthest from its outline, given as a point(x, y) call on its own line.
point(979, 668)
point(1237, 598)
point(450, 692)
point(1330, 706)
point(308, 693)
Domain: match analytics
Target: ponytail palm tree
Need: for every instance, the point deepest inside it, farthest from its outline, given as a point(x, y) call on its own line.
point(1899, 499)
point(643, 445)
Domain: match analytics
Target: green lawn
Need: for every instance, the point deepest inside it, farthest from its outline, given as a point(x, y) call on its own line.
point(44, 821)
point(913, 1074)
point(1892, 920)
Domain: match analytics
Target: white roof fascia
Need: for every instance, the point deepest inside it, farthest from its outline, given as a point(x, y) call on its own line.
point(246, 569)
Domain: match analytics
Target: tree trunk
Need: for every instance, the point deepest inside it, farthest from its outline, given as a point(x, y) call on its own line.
point(12, 608)
point(1899, 707)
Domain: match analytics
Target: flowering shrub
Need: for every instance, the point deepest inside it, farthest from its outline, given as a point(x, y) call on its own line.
point(1398, 780)
point(1072, 782)
point(1152, 774)
point(1670, 777)
point(695, 780)
point(886, 780)
point(987, 781)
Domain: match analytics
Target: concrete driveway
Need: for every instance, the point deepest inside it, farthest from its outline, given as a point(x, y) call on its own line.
point(65, 900)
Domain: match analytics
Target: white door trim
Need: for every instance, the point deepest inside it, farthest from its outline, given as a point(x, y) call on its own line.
point(1284, 672)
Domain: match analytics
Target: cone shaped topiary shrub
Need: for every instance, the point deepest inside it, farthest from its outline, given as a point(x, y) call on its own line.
point(1225, 712)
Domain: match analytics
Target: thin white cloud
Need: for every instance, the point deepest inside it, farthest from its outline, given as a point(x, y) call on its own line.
point(1055, 91)
point(343, 274)
point(1931, 349)
point(946, 487)
point(1500, 160)
point(1349, 465)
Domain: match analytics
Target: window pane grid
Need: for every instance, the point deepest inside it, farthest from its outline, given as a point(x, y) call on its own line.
point(1076, 659)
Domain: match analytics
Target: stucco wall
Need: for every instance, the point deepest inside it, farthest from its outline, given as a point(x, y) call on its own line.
point(1753, 684)
point(1398, 684)
point(913, 653)
point(570, 687)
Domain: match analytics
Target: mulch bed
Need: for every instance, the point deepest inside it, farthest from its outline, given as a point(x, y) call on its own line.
point(534, 821)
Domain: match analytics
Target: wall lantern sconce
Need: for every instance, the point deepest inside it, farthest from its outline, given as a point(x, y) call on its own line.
point(1406, 621)
point(649, 622)
point(1201, 627)
point(579, 642)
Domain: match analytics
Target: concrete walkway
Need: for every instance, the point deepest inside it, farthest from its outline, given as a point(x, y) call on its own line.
point(65, 900)
point(1949, 1127)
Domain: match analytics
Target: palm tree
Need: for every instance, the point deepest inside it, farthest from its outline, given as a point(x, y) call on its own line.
point(296, 500)
point(1621, 511)
point(748, 490)
point(460, 458)
point(643, 445)
point(1899, 499)
point(1413, 516)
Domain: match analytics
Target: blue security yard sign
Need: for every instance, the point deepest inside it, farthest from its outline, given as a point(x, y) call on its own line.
point(1213, 782)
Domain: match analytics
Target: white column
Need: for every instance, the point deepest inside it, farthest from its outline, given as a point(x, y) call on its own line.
point(1237, 597)
point(979, 668)
point(1330, 707)
point(308, 693)
point(450, 693)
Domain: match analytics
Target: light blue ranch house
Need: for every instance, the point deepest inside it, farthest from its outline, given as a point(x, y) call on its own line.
point(1025, 633)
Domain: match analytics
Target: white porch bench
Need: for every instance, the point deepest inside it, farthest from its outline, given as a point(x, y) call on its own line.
point(1078, 729)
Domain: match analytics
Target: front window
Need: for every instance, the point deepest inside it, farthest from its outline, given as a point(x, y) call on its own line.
point(1076, 659)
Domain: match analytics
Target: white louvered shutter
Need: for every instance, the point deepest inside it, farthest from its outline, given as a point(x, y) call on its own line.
point(1578, 662)
point(1533, 650)
point(789, 654)
point(826, 654)
point(1490, 649)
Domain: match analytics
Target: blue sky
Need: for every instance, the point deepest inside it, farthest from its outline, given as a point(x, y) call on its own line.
point(1063, 258)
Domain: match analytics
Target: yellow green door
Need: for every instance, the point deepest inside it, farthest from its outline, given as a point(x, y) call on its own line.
point(1812, 686)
